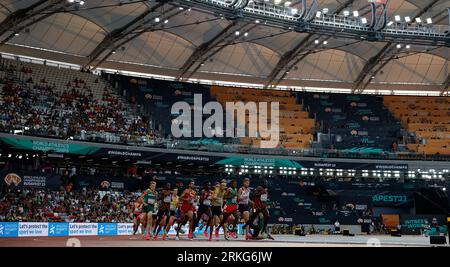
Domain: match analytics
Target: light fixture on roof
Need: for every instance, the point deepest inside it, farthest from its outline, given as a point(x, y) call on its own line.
point(325, 42)
point(418, 20)
point(166, 21)
point(355, 13)
point(316, 41)
point(364, 20)
point(157, 19)
point(318, 14)
point(408, 46)
point(246, 34)
point(346, 13)
point(81, 3)
point(294, 11)
point(16, 34)
point(70, 1)
point(257, 21)
point(181, 8)
point(287, 3)
point(390, 23)
point(399, 46)
point(397, 18)
point(325, 10)
point(237, 33)
point(429, 20)
point(114, 51)
point(407, 19)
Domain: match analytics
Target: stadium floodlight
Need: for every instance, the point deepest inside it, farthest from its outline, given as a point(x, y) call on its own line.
point(418, 20)
point(429, 20)
point(316, 41)
point(70, 1)
point(81, 3)
point(294, 11)
point(364, 20)
point(397, 18)
point(246, 34)
point(277, 2)
point(325, 42)
point(355, 13)
point(318, 14)
point(408, 46)
point(257, 21)
point(346, 13)
point(237, 33)
point(399, 46)
point(407, 19)
point(157, 19)
point(166, 21)
point(287, 3)
point(325, 10)
point(390, 23)
point(181, 8)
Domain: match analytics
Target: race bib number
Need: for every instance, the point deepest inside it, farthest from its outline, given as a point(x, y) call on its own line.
point(151, 201)
point(234, 199)
point(206, 202)
point(167, 199)
point(264, 197)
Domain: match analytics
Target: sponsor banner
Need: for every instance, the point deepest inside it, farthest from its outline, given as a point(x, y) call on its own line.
point(33, 229)
point(80, 229)
point(51, 145)
point(28, 179)
point(9, 229)
point(386, 199)
point(354, 166)
point(126, 229)
point(58, 229)
point(107, 229)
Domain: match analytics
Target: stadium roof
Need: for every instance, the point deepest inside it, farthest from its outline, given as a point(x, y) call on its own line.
point(163, 39)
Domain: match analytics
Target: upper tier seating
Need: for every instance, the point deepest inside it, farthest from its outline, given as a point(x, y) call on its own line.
point(50, 101)
point(295, 126)
point(426, 117)
point(355, 122)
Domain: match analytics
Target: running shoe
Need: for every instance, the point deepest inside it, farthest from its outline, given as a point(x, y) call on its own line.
point(206, 234)
point(233, 235)
point(177, 238)
point(191, 235)
point(210, 238)
point(248, 236)
point(164, 238)
point(227, 236)
point(156, 237)
point(147, 237)
point(270, 237)
point(217, 233)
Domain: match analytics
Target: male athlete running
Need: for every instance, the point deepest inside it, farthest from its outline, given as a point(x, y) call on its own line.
point(260, 209)
point(172, 212)
point(164, 208)
point(244, 205)
point(150, 196)
point(230, 209)
point(138, 216)
point(216, 205)
point(187, 208)
point(204, 211)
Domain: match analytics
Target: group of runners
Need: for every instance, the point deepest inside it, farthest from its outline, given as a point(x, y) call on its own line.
point(214, 207)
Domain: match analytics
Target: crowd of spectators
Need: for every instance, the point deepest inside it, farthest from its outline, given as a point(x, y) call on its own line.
point(86, 205)
point(40, 108)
